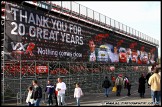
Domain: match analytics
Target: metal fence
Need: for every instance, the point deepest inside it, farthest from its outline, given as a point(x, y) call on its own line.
point(18, 75)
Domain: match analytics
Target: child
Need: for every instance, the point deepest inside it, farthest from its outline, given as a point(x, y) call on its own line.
point(30, 99)
point(77, 94)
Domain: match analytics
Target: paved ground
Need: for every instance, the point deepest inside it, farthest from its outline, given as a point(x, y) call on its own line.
point(98, 99)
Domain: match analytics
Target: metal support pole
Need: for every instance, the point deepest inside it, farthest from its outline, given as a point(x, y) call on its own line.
point(48, 71)
point(35, 70)
point(20, 82)
point(3, 55)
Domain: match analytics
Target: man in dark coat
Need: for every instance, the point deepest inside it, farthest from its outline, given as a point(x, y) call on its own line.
point(50, 90)
point(141, 88)
point(106, 84)
point(147, 78)
point(37, 93)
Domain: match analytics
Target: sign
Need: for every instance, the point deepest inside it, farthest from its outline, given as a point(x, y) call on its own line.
point(36, 35)
point(41, 69)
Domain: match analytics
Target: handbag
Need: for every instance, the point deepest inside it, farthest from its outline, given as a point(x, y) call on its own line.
point(114, 89)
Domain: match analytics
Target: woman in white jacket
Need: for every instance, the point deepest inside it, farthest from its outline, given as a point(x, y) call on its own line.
point(30, 99)
point(77, 94)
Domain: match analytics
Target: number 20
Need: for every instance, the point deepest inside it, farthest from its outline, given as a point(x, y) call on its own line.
point(20, 31)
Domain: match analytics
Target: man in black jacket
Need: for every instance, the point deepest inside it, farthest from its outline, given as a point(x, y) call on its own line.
point(50, 90)
point(37, 93)
point(106, 84)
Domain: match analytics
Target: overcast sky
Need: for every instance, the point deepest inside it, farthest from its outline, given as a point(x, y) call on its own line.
point(142, 16)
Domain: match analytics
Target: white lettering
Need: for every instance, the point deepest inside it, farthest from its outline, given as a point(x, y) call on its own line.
point(38, 20)
point(64, 27)
point(63, 36)
point(71, 27)
point(31, 19)
point(58, 25)
point(53, 35)
point(45, 33)
point(68, 38)
point(32, 31)
point(72, 39)
point(81, 41)
point(21, 29)
point(53, 23)
point(79, 31)
point(14, 11)
point(45, 22)
point(23, 16)
point(39, 32)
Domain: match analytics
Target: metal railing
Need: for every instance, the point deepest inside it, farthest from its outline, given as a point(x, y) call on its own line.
point(81, 12)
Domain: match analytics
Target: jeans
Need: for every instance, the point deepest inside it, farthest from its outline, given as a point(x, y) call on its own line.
point(78, 101)
point(155, 97)
point(128, 92)
point(37, 101)
point(50, 101)
point(107, 91)
point(119, 87)
point(61, 99)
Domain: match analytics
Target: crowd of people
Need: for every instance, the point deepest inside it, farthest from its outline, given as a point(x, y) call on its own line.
point(57, 91)
point(153, 80)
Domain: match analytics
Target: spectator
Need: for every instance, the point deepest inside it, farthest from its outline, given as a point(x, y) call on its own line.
point(30, 99)
point(155, 82)
point(141, 88)
point(77, 94)
point(61, 87)
point(119, 84)
point(106, 84)
point(50, 90)
point(127, 85)
point(55, 95)
point(147, 77)
point(113, 80)
point(37, 93)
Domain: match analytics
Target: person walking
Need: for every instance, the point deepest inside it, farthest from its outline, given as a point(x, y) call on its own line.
point(127, 85)
point(141, 88)
point(50, 90)
point(55, 95)
point(155, 82)
point(113, 80)
point(119, 84)
point(77, 94)
point(37, 93)
point(106, 85)
point(61, 87)
point(148, 76)
point(30, 99)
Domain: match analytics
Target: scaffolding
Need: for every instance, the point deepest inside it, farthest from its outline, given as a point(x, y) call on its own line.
point(18, 74)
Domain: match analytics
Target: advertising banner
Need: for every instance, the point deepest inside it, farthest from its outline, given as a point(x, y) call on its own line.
point(36, 35)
